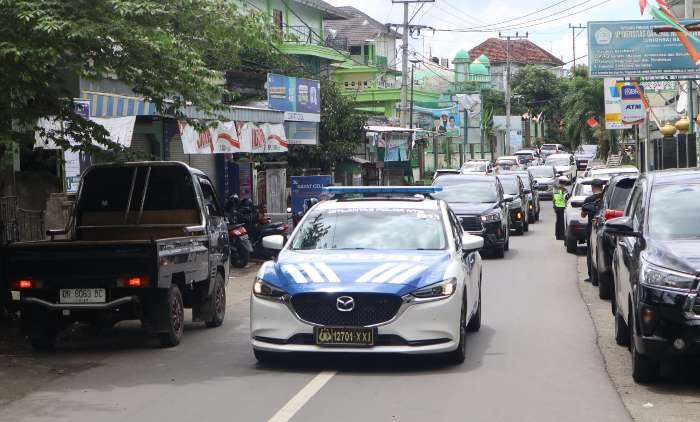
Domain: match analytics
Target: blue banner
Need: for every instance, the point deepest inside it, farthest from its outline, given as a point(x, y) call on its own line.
point(306, 187)
point(299, 98)
point(632, 48)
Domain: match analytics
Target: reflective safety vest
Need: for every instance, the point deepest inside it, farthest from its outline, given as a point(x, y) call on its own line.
point(559, 200)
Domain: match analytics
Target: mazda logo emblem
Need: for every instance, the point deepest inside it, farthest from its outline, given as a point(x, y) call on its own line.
point(345, 303)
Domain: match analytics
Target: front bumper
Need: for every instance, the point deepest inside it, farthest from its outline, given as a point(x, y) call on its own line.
point(418, 328)
point(676, 317)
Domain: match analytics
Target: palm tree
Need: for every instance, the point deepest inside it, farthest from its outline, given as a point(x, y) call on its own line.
point(585, 99)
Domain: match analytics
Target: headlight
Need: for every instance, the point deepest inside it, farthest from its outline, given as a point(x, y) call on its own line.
point(662, 277)
point(491, 217)
point(264, 290)
point(437, 291)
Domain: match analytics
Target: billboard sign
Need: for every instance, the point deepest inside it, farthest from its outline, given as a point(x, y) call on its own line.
point(633, 111)
point(306, 187)
point(233, 137)
point(613, 106)
point(300, 99)
point(632, 48)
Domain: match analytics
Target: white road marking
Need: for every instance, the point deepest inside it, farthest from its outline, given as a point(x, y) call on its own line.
point(302, 397)
point(296, 274)
point(328, 272)
point(312, 273)
point(375, 272)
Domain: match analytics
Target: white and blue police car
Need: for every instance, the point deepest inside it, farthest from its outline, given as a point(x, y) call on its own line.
point(372, 270)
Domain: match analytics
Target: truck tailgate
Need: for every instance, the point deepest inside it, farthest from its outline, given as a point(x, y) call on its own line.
point(79, 264)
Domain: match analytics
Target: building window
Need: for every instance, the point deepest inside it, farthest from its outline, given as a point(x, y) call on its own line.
point(352, 83)
point(365, 83)
point(346, 83)
point(277, 19)
point(355, 50)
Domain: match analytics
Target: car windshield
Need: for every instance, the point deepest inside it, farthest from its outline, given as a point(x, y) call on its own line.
point(371, 228)
point(558, 161)
point(475, 167)
point(505, 162)
point(474, 192)
point(453, 180)
point(510, 186)
point(583, 190)
point(542, 171)
point(549, 147)
point(674, 211)
point(588, 149)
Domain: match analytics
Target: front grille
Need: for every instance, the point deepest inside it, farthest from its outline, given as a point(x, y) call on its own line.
point(543, 187)
point(471, 223)
point(370, 308)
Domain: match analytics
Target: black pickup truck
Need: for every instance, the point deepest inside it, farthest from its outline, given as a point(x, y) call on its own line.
point(145, 240)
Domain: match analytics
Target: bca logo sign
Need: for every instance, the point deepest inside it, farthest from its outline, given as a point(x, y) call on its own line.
point(630, 92)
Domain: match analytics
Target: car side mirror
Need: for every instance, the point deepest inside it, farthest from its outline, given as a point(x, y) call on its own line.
point(274, 242)
point(567, 195)
point(471, 243)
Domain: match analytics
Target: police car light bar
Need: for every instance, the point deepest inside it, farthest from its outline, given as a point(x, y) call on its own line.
point(355, 190)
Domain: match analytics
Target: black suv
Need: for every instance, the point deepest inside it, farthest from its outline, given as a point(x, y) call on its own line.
point(515, 191)
point(532, 193)
point(479, 203)
point(656, 267)
point(602, 244)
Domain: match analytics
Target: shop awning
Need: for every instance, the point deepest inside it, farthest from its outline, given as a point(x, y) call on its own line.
point(120, 130)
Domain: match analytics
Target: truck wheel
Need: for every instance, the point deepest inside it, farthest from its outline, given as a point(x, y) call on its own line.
point(172, 309)
point(571, 245)
point(40, 329)
point(217, 302)
point(241, 258)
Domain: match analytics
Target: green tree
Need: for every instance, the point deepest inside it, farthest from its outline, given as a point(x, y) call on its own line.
point(172, 52)
point(341, 133)
point(539, 91)
point(585, 99)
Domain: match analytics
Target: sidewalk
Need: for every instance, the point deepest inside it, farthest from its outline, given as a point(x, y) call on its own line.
point(675, 399)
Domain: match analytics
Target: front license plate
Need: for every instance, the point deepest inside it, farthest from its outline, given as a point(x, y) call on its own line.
point(344, 336)
point(82, 296)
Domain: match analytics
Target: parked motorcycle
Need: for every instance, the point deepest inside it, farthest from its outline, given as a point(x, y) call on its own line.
point(239, 244)
point(256, 223)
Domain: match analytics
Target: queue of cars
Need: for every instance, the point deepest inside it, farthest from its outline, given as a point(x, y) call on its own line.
point(644, 257)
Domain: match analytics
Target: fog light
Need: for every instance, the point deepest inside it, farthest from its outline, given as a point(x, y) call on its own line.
point(679, 344)
point(520, 216)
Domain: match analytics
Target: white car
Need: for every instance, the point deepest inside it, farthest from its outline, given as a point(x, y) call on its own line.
point(608, 172)
point(370, 275)
point(564, 164)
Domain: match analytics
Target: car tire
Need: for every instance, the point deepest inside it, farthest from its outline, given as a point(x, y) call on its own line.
point(537, 216)
point(531, 218)
point(264, 357)
point(622, 332)
point(499, 252)
point(475, 321)
point(173, 311)
point(604, 288)
point(526, 226)
point(645, 369)
point(217, 301)
point(571, 245)
point(506, 246)
point(519, 230)
point(458, 355)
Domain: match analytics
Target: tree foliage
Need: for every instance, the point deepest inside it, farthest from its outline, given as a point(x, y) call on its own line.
point(172, 52)
point(540, 91)
point(341, 132)
point(584, 99)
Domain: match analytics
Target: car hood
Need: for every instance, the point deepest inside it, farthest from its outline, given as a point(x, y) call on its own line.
point(395, 272)
point(478, 208)
point(563, 168)
point(678, 254)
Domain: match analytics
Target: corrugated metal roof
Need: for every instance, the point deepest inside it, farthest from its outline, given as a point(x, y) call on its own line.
point(247, 114)
point(359, 27)
point(329, 12)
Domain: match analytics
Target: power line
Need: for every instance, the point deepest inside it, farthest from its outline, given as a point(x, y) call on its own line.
point(462, 13)
point(525, 15)
point(526, 24)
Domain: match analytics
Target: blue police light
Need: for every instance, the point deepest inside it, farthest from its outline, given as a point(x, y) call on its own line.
point(355, 190)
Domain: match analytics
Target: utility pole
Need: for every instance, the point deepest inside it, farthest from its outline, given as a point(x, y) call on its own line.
point(508, 38)
point(404, 57)
point(691, 94)
point(573, 39)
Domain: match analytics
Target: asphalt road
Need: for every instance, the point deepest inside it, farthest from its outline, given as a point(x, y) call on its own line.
point(535, 359)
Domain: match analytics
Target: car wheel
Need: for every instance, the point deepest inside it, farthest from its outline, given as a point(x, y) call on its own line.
point(571, 245)
point(526, 226)
point(217, 302)
point(604, 288)
point(173, 311)
point(458, 355)
point(645, 369)
point(594, 277)
point(475, 321)
point(519, 229)
point(499, 252)
point(506, 246)
point(622, 333)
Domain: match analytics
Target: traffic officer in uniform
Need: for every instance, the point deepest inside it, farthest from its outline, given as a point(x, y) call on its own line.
point(559, 203)
point(591, 208)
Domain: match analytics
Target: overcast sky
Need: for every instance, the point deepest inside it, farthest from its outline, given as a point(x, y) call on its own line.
point(549, 28)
